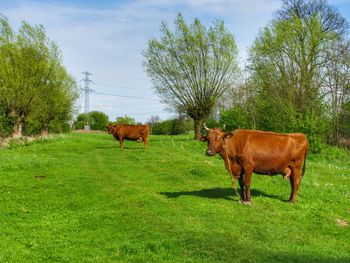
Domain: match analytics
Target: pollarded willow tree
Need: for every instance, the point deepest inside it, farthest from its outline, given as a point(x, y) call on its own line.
point(192, 67)
point(30, 68)
point(55, 100)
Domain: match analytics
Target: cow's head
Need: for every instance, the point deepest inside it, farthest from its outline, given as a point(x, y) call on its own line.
point(110, 128)
point(216, 140)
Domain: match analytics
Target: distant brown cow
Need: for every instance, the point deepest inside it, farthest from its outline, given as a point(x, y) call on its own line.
point(248, 151)
point(129, 132)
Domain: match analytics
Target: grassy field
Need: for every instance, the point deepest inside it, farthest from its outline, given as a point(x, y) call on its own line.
point(79, 198)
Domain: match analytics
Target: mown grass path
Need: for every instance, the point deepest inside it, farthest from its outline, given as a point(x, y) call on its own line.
point(79, 198)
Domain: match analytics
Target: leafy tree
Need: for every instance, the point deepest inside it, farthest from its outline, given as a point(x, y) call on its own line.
point(5, 128)
point(28, 62)
point(97, 119)
point(56, 101)
point(337, 87)
point(344, 122)
point(125, 120)
point(170, 127)
point(192, 67)
point(153, 120)
point(287, 62)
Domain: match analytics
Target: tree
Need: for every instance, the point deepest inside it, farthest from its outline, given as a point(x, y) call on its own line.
point(287, 62)
point(153, 120)
point(56, 100)
point(170, 127)
point(28, 61)
point(337, 86)
point(98, 120)
point(192, 67)
point(125, 120)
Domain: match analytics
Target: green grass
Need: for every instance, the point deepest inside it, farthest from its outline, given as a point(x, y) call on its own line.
point(79, 198)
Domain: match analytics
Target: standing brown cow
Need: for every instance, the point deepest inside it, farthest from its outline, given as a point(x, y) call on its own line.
point(129, 132)
point(248, 151)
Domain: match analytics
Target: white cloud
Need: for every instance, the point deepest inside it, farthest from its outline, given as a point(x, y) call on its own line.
point(108, 41)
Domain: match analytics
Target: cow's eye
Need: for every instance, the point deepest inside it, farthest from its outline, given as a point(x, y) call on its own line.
point(218, 138)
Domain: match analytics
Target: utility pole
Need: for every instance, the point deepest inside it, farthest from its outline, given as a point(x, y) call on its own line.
point(87, 90)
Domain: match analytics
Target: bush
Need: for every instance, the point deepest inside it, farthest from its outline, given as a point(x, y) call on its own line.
point(233, 118)
point(170, 127)
point(97, 120)
point(285, 120)
point(125, 120)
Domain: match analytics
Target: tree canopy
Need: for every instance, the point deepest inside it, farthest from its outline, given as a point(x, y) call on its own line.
point(288, 64)
point(192, 67)
point(97, 119)
point(125, 120)
point(33, 81)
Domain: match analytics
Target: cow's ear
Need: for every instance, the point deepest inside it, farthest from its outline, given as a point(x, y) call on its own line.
point(203, 138)
point(228, 135)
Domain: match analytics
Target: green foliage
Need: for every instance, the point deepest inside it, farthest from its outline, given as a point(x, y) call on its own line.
point(97, 120)
point(287, 62)
point(192, 67)
point(5, 127)
point(234, 118)
point(78, 196)
point(171, 127)
point(33, 81)
point(125, 120)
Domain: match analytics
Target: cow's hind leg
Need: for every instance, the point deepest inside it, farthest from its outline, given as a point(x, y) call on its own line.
point(121, 142)
point(145, 141)
point(247, 180)
point(242, 187)
point(294, 183)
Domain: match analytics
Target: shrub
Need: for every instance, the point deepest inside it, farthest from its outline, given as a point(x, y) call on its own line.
point(170, 127)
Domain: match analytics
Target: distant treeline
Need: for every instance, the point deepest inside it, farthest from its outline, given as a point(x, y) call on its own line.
point(98, 120)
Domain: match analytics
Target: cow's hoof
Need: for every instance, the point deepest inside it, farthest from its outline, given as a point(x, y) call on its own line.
point(245, 202)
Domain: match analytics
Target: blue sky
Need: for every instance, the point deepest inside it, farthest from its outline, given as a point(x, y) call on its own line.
point(106, 38)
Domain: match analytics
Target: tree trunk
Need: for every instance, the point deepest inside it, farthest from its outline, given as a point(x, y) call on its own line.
point(44, 131)
point(17, 127)
point(197, 129)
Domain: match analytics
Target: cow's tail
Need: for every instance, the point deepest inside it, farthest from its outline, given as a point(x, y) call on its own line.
point(304, 165)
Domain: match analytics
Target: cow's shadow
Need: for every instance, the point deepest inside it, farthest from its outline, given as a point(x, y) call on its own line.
point(218, 192)
point(118, 148)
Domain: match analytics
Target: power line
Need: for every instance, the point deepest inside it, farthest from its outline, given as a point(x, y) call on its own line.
point(119, 87)
point(117, 78)
point(124, 96)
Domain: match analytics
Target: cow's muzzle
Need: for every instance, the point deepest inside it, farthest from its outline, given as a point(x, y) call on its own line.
point(210, 152)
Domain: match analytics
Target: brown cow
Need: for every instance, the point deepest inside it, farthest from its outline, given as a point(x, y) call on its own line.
point(248, 151)
point(129, 132)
